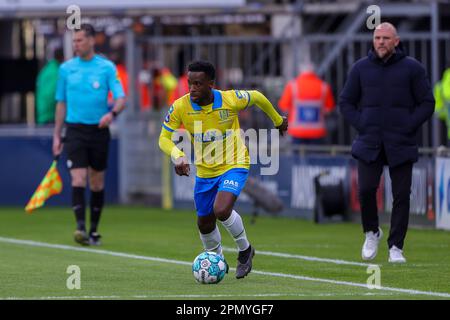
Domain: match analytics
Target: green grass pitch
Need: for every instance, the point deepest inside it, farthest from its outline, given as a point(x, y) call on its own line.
point(147, 254)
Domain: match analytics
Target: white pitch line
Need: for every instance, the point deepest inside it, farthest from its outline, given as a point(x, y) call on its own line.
point(354, 284)
point(273, 274)
point(105, 252)
point(308, 258)
point(208, 296)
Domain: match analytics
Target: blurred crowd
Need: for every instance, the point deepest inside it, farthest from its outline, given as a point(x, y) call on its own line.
point(307, 99)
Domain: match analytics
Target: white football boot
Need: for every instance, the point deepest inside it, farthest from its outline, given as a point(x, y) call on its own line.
point(370, 247)
point(396, 255)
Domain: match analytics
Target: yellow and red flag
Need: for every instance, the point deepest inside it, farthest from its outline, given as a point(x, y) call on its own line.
point(49, 186)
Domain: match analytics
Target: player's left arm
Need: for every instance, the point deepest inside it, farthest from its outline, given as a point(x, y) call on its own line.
point(115, 86)
point(257, 98)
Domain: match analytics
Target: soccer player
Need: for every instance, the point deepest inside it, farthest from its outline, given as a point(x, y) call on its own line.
point(211, 117)
point(82, 91)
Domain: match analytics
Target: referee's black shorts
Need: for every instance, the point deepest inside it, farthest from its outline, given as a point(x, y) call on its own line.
point(86, 146)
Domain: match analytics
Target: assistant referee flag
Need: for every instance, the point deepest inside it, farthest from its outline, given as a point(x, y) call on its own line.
point(49, 186)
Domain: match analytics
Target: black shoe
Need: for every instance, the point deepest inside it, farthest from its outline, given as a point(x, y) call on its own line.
point(244, 268)
point(81, 237)
point(94, 239)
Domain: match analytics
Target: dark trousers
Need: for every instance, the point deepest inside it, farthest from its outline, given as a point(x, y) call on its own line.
point(369, 175)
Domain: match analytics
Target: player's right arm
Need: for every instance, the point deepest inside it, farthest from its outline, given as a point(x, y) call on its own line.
point(171, 123)
point(60, 113)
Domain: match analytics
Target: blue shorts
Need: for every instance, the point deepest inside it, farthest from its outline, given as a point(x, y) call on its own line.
point(206, 189)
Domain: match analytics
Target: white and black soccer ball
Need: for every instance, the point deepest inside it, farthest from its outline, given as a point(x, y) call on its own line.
point(209, 268)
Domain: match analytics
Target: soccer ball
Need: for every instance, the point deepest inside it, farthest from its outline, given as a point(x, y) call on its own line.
point(209, 267)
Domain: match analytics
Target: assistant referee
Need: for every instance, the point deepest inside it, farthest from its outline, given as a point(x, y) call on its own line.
point(82, 105)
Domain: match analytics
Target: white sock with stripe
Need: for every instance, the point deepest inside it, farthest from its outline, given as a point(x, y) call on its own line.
point(235, 227)
point(212, 241)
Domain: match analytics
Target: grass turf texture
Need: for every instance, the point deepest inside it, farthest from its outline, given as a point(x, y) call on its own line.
point(40, 272)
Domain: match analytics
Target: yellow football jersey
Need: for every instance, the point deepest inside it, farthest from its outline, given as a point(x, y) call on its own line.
point(214, 130)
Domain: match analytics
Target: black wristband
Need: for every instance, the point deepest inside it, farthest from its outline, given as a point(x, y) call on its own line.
point(114, 113)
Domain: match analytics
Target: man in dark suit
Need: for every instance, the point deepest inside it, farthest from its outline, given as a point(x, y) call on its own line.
point(387, 98)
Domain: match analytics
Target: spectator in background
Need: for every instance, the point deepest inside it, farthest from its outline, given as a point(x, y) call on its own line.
point(143, 80)
point(442, 97)
point(182, 87)
point(307, 100)
point(164, 84)
point(117, 57)
point(387, 98)
point(46, 89)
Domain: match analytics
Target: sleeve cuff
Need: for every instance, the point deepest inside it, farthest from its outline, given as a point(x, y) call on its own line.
point(176, 153)
point(278, 121)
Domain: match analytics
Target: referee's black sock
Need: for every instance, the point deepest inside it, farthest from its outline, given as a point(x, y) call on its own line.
point(79, 207)
point(97, 201)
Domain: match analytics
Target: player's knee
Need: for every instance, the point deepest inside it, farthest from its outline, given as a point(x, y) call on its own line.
point(79, 181)
point(222, 212)
point(96, 185)
point(96, 181)
point(206, 227)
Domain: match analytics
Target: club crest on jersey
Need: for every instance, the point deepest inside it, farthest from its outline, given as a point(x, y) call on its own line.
point(167, 119)
point(223, 114)
point(238, 94)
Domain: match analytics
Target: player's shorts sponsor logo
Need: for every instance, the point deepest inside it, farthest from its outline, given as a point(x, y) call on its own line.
point(231, 183)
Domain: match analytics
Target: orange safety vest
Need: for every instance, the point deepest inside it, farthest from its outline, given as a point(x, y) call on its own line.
point(306, 99)
point(306, 119)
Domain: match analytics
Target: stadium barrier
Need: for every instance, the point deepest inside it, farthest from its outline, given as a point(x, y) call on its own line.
point(294, 185)
point(26, 157)
point(442, 196)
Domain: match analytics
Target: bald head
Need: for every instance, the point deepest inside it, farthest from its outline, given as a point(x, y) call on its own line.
point(387, 27)
point(385, 39)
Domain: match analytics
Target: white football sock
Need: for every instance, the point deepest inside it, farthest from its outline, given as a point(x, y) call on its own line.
point(212, 241)
point(235, 227)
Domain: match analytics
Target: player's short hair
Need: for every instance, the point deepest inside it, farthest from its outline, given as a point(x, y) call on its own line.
point(203, 66)
point(88, 29)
